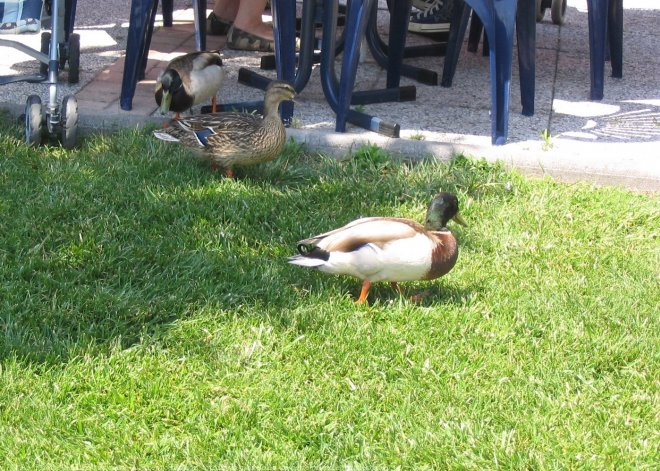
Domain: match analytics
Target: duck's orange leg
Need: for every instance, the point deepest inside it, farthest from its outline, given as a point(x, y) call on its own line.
point(366, 284)
point(213, 105)
point(229, 173)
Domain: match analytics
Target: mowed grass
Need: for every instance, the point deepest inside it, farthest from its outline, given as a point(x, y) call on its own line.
point(149, 320)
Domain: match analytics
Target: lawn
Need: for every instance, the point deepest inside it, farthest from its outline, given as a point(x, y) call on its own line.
point(149, 320)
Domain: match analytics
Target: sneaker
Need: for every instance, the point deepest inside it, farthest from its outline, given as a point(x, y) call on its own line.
point(421, 4)
point(9, 27)
point(29, 25)
point(434, 19)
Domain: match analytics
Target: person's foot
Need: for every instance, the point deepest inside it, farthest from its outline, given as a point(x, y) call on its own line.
point(217, 26)
point(434, 19)
point(9, 27)
point(261, 29)
point(244, 41)
point(28, 25)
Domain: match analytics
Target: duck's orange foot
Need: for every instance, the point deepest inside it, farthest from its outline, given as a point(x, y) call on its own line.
point(366, 284)
point(229, 173)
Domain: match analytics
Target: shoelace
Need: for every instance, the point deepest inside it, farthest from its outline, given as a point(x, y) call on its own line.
point(431, 8)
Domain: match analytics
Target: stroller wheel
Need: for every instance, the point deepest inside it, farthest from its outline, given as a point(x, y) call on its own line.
point(74, 58)
point(69, 122)
point(45, 48)
point(33, 121)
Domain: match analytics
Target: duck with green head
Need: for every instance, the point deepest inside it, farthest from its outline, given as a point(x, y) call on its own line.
point(386, 248)
point(189, 80)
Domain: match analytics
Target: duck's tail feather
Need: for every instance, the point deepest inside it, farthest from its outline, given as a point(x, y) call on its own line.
point(165, 136)
point(306, 261)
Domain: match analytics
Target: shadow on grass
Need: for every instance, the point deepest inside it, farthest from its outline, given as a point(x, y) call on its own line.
point(113, 242)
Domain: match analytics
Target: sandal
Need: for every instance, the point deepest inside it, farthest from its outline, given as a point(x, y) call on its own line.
point(217, 27)
point(243, 41)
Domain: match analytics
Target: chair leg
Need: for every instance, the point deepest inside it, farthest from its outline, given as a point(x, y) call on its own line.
point(597, 16)
point(476, 28)
point(167, 7)
point(500, 39)
point(615, 33)
point(391, 61)
point(399, 18)
point(459, 20)
point(137, 45)
point(144, 52)
point(526, 34)
point(199, 9)
point(284, 27)
point(357, 15)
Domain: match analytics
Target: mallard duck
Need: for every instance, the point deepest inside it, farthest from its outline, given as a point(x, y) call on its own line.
point(189, 80)
point(387, 249)
point(233, 138)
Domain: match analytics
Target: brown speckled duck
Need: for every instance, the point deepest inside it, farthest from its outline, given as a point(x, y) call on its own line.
point(387, 249)
point(233, 138)
point(189, 80)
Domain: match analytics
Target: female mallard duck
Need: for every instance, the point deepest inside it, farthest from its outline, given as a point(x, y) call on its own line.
point(232, 138)
point(189, 80)
point(387, 249)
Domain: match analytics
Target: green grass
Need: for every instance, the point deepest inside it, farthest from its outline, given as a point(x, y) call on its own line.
point(149, 320)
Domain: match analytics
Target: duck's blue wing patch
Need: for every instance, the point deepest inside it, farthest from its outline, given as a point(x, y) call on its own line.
point(202, 136)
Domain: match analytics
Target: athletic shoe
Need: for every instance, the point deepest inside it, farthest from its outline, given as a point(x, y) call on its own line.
point(434, 19)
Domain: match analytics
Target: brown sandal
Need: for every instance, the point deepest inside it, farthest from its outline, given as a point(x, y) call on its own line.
point(244, 41)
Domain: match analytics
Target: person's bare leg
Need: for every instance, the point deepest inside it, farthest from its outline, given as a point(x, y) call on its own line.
point(226, 9)
point(248, 18)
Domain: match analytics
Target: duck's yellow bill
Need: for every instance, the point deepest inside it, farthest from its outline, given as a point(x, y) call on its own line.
point(165, 102)
point(459, 219)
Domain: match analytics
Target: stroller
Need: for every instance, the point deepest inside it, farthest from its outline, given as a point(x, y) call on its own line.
point(58, 47)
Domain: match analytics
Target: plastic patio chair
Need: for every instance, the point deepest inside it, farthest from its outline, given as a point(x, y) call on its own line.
point(498, 18)
point(338, 92)
point(605, 23)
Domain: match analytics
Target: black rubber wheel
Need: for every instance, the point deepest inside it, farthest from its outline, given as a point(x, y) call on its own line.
point(558, 11)
point(69, 114)
point(33, 121)
point(540, 11)
point(45, 48)
point(74, 58)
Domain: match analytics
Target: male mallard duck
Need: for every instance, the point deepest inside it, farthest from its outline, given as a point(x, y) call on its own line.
point(232, 138)
point(189, 80)
point(387, 249)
